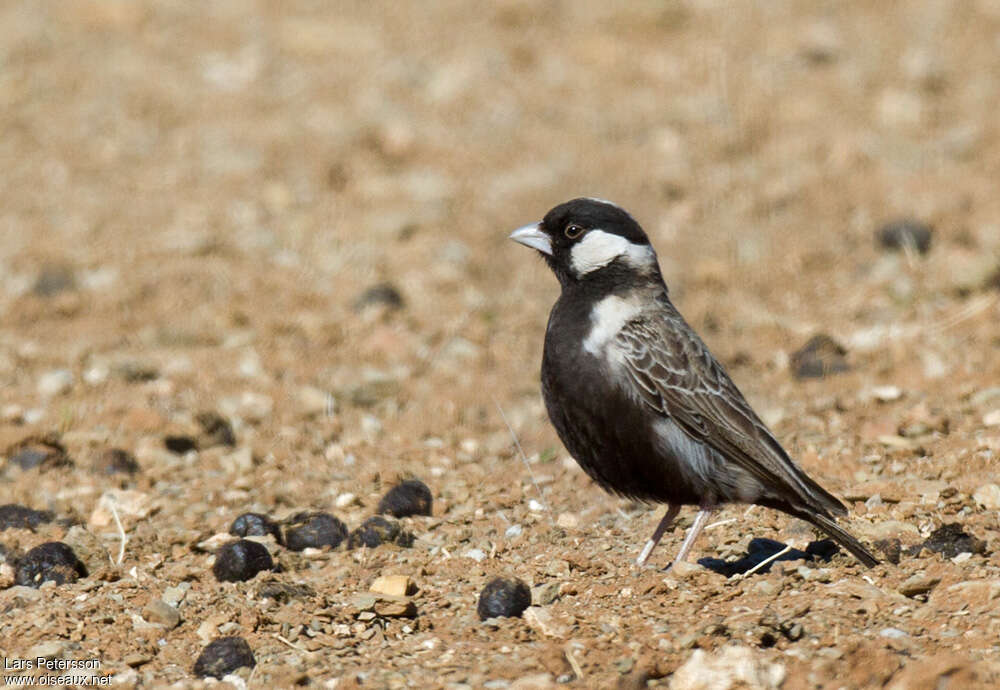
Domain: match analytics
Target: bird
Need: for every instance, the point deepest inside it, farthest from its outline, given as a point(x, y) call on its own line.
point(636, 396)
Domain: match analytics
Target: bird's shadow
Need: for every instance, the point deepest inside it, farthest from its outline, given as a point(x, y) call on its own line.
point(760, 549)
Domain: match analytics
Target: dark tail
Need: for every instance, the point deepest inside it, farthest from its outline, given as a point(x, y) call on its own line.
point(842, 537)
point(828, 525)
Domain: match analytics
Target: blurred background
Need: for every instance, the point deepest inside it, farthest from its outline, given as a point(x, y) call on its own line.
point(206, 174)
point(295, 213)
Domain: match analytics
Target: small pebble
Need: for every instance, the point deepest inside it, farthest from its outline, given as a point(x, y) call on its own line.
point(223, 656)
point(819, 357)
point(283, 592)
point(393, 585)
point(14, 516)
point(892, 549)
point(53, 561)
point(987, 496)
point(345, 500)
point(241, 560)
point(513, 531)
point(175, 595)
point(316, 530)
point(542, 620)
point(503, 597)
point(391, 607)
point(115, 461)
point(378, 530)
point(315, 401)
point(905, 234)
point(52, 649)
point(887, 393)
point(53, 279)
point(545, 594)
point(567, 521)
point(129, 505)
point(918, 584)
point(135, 371)
point(160, 612)
point(255, 525)
point(44, 452)
point(792, 630)
point(410, 497)
point(56, 382)
point(215, 430)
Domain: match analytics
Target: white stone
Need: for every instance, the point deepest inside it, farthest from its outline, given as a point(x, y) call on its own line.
point(733, 666)
point(541, 619)
point(96, 374)
point(128, 504)
point(250, 366)
point(567, 521)
point(315, 401)
point(238, 461)
point(887, 393)
point(55, 382)
point(987, 496)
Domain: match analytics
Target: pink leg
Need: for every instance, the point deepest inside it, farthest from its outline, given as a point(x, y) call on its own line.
point(696, 528)
point(668, 518)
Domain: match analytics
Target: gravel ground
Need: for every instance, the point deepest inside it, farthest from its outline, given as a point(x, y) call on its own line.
point(253, 258)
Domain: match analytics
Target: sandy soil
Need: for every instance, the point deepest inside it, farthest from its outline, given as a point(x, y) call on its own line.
point(194, 198)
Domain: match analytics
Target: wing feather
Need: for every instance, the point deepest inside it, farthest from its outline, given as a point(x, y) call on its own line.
point(673, 372)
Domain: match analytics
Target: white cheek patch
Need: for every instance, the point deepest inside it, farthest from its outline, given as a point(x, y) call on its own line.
point(606, 319)
point(597, 249)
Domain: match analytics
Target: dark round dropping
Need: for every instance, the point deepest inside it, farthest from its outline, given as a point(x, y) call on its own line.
point(255, 525)
point(180, 444)
point(223, 656)
point(409, 497)
point(316, 530)
point(385, 294)
point(378, 530)
point(116, 461)
point(503, 597)
point(950, 539)
point(241, 560)
point(904, 234)
point(52, 560)
point(215, 430)
point(14, 516)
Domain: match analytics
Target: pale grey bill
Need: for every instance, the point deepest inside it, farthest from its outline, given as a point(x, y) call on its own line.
point(532, 236)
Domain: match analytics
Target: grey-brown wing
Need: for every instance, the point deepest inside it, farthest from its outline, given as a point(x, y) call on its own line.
point(674, 373)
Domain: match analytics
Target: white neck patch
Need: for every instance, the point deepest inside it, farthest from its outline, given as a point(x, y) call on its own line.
point(597, 249)
point(606, 319)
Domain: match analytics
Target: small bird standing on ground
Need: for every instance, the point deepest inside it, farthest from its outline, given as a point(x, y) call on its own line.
point(637, 398)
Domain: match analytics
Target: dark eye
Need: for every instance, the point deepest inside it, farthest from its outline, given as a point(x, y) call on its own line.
point(573, 231)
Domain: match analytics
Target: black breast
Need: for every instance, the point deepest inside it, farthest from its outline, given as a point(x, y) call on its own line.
point(609, 434)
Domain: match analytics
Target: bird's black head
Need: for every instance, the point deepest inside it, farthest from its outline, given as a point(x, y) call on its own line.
point(584, 240)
